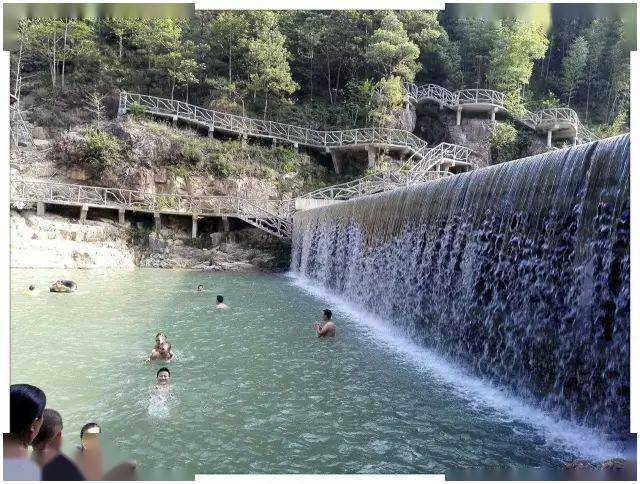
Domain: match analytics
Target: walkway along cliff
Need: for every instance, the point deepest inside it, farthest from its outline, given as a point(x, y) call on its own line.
point(519, 271)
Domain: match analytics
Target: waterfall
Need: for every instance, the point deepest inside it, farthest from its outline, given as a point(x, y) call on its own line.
point(519, 272)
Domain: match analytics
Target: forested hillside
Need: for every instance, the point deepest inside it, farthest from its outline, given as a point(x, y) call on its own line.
point(319, 68)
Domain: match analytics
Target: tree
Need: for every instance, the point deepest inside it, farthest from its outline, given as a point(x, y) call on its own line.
point(574, 67)
point(439, 56)
point(180, 66)
point(95, 105)
point(516, 46)
point(227, 35)
point(391, 51)
point(268, 61)
point(122, 27)
point(390, 96)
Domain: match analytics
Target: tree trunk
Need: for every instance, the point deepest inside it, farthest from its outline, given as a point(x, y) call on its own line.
point(586, 111)
point(64, 50)
point(120, 46)
point(15, 90)
point(187, 96)
point(329, 81)
point(173, 87)
point(266, 97)
point(229, 61)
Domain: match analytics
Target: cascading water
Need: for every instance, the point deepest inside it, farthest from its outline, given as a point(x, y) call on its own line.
point(519, 271)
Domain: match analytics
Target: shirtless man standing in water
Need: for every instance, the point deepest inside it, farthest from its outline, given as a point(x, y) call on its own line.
point(327, 328)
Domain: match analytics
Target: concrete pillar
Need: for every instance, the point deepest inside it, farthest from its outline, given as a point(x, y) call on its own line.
point(493, 114)
point(575, 140)
point(337, 159)
point(174, 120)
point(194, 226)
point(226, 226)
point(441, 106)
point(121, 216)
point(158, 222)
point(459, 116)
point(273, 142)
point(295, 147)
point(372, 156)
point(83, 213)
point(210, 133)
point(549, 135)
point(40, 207)
point(243, 140)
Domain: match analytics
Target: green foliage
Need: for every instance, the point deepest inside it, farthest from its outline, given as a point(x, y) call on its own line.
point(100, 149)
point(505, 143)
point(390, 96)
point(269, 70)
point(574, 67)
point(516, 46)
point(166, 201)
point(136, 109)
point(391, 52)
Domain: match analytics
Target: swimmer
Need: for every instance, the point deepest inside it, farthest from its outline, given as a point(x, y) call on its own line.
point(220, 303)
point(165, 352)
point(161, 339)
point(163, 379)
point(200, 288)
point(328, 328)
point(31, 291)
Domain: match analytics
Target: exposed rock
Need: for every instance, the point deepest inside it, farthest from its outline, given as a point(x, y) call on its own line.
point(578, 464)
point(39, 133)
point(79, 174)
point(41, 144)
point(615, 463)
point(55, 241)
point(160, 175)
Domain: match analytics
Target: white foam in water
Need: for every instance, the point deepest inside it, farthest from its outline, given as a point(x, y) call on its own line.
point(576, 439)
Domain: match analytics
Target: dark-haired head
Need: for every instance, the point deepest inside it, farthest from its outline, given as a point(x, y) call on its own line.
point(88, 428)
point(32, 287)
point(327, 314)
point(26, 405)
point(163, 369)
point(51, 428)
point(219, 298)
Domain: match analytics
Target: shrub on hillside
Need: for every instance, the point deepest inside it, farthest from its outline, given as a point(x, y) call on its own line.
point(101, 149)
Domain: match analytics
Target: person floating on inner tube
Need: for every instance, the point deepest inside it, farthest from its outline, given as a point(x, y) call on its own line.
point(63, 286)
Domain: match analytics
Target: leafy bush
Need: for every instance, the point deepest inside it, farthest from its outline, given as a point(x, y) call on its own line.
point(101, 149)
point(504, 142)
point(136, 109)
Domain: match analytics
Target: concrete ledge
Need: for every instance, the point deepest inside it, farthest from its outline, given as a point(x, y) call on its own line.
point(310, 203)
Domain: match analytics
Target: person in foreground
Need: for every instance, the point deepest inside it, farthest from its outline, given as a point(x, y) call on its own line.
point(47, 451)
point(89, 458)
point(220, 303)
point(328, 328)
point(26, 406)
point(163, 379)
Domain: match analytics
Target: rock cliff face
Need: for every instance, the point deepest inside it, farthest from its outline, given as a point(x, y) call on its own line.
point(55, 241)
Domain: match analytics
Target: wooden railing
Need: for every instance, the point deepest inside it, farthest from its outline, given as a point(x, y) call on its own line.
point(243, 125)
point(429, 168)
point(274, 216)
point(534, 120)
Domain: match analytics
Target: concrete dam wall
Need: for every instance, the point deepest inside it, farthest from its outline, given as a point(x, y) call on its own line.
point(519, 272)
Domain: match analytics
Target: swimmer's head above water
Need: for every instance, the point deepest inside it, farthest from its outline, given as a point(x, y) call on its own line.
point(32, 287)
point(219, 299)
point(326, 314)
point(89, 434)
point(163, 376)
point(200, 288)
point(161, 338)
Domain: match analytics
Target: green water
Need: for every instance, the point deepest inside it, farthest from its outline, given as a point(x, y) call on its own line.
point(255, 391)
